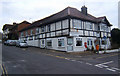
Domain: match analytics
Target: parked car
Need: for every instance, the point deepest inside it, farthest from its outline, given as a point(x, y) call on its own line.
point(5, 43)
point(11, 42)
point(21, 44)
point(17, 43)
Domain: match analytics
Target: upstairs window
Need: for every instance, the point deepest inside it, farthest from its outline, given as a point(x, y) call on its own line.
point(96, 27)
point(42, 29)
point(37, 30)
point(58, 25)
point(65, 23)
point(26, 33)
point(48, 28)
point(77, 24)
point(52, 27)
point(21, 34)
point(103, 27)
point(89, 26)
point(31, 32)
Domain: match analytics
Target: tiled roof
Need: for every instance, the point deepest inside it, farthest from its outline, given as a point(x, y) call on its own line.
point(7, 26)
point(69, 11)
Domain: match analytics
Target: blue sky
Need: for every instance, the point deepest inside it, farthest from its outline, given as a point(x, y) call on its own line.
point(33, 10)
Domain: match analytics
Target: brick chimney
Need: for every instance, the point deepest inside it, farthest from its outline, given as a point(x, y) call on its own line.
point(84, 10)
point(14, 23)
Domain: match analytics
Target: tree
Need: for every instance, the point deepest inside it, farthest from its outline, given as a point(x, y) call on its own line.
point(0, 36)
point(115, 38)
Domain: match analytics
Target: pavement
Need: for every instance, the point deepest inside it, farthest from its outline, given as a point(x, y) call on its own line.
point(0, 58)
point(42, 61)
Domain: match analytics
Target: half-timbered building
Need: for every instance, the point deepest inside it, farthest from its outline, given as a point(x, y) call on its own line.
point(68, 30)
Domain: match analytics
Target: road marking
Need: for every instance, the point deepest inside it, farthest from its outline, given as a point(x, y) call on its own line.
point(78, 56)
point(103, 64)
point(115, 68)
point(4, 71)
point(67, 59)
point(110, 69)
point(107, 62)
point(73, 60)
point(23, 49)
point(106, 56)
point(88, 64)
point(99, 66)
point(22, 60)
point(80, 61)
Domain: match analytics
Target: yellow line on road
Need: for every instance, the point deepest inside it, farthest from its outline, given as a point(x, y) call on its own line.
point(106, 56)
point(4, 70)
point(58, 56)
point(23, 49)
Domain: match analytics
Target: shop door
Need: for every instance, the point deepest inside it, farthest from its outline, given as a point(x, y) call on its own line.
point(69, 44)
point(89, 43)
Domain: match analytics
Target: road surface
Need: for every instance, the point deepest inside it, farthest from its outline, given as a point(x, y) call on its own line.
point(36, 61)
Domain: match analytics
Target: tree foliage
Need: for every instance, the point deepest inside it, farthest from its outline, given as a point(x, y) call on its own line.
point(115, 38)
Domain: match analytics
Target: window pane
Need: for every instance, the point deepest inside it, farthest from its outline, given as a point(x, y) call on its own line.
point(65, 23)
point(48, 28)
point(37, 30)
point(42, 41)
point(49, 43)
point(77, 23)
point(53, 27)
point(78, 41)
point(88, 25)
point(60, 42)
point(42, 29)
point(58, 25)
point(70, 41)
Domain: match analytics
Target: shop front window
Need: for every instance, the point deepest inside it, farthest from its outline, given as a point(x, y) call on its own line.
point(78, 41)
point(49, 43)
point(61, 42)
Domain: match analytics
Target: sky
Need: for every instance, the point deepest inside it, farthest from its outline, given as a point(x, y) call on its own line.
point(33, 10)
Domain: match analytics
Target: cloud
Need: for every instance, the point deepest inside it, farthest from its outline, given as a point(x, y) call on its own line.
point(32, 10)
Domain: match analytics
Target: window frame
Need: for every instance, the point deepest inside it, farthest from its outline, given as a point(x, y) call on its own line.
point(37, 30)
point(60, 40)
point(50, 43)
point(81, 42)
point(77, 21)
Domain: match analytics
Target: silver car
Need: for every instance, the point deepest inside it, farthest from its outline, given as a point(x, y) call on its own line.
point(21, 44)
